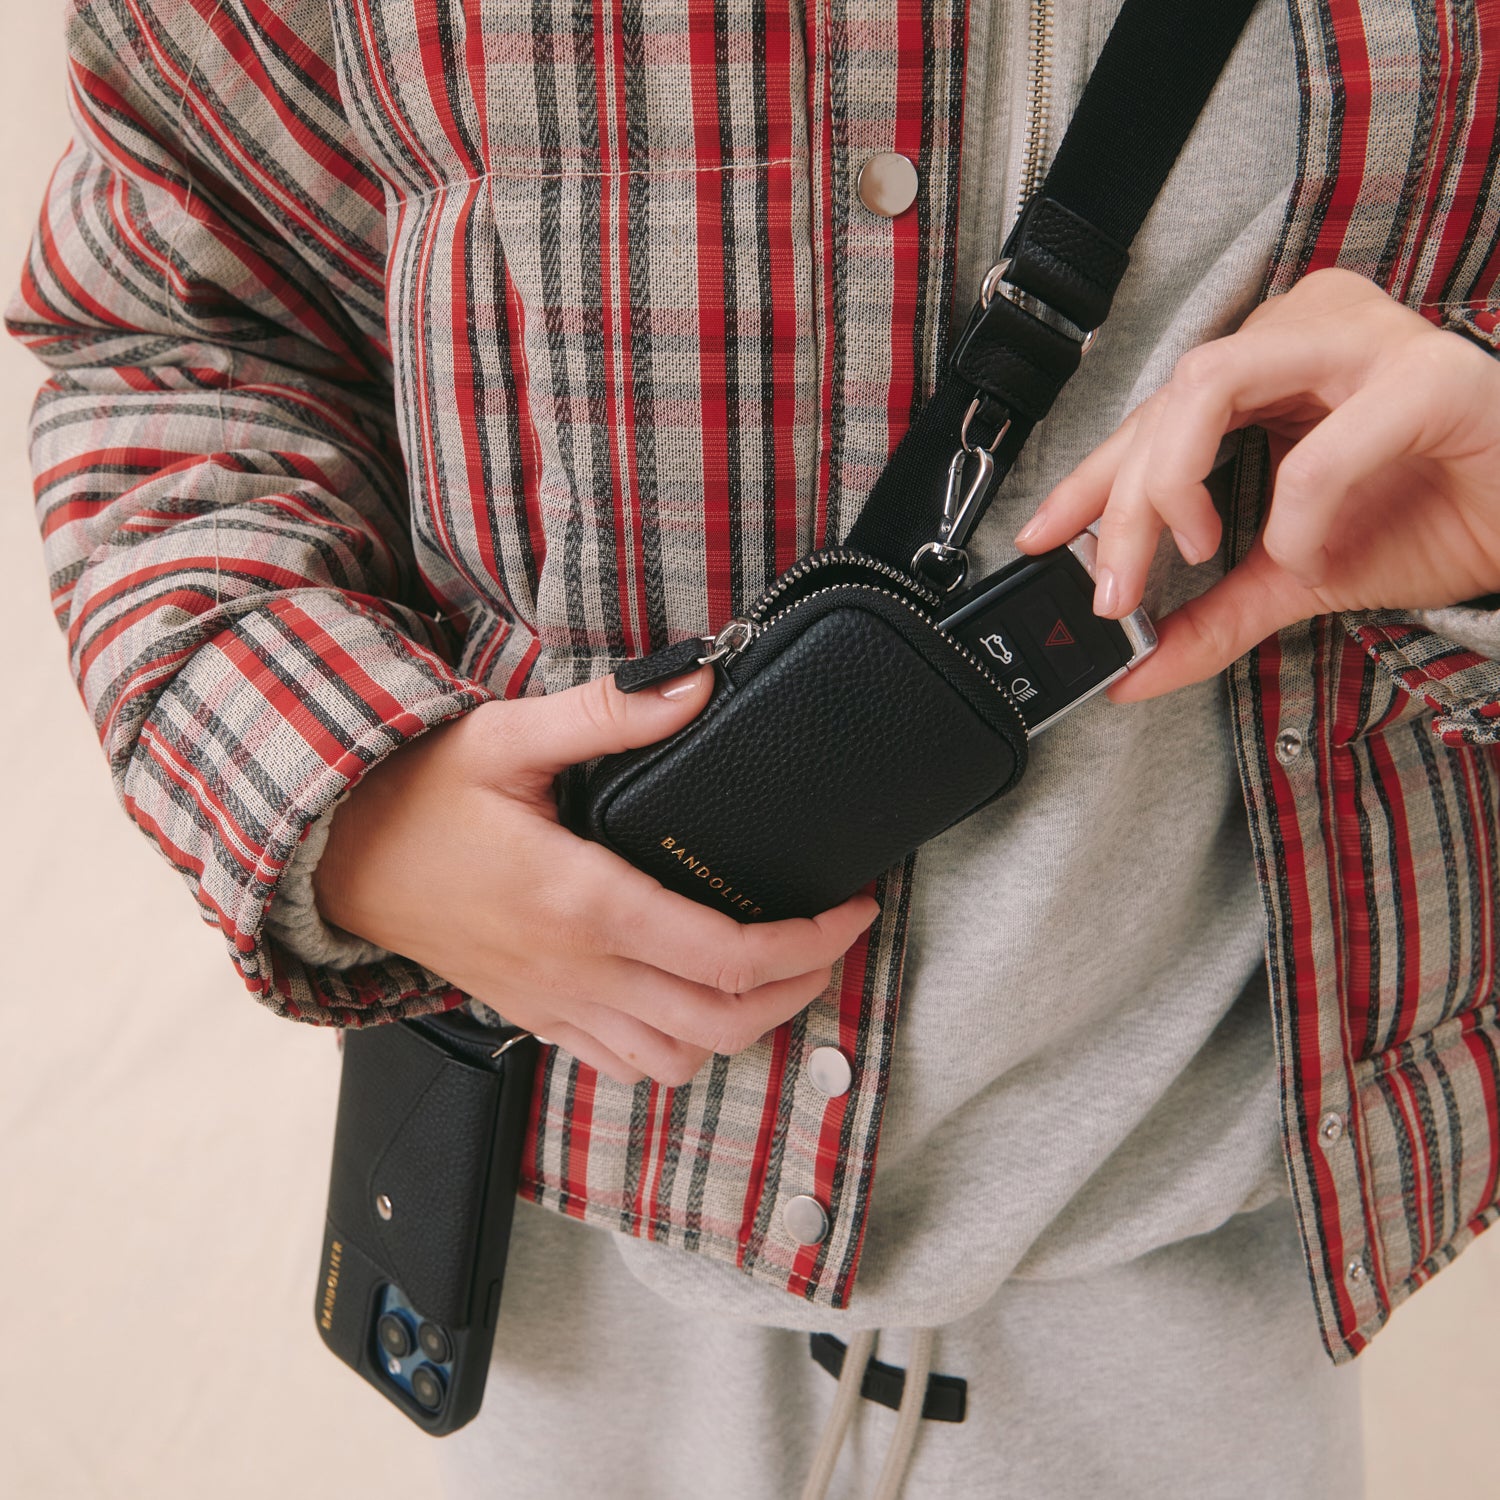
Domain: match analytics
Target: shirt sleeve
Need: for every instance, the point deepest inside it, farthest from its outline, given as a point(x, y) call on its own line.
point(218, 482)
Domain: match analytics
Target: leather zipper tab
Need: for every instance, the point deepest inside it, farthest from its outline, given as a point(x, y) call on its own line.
point(676, 660)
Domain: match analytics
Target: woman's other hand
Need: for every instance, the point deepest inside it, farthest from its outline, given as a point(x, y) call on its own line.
point(1385, 441)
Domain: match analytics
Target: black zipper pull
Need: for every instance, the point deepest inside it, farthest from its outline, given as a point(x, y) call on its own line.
point(676, 660)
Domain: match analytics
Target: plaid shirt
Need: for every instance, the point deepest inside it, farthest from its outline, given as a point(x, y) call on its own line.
point(409, 353)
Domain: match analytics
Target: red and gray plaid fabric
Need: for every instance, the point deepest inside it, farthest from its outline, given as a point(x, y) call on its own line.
point(408, 353)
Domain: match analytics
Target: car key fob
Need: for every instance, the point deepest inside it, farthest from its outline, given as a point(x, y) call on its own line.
point(1033, 626)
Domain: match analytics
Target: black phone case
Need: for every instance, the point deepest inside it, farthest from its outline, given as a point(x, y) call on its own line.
point(426, 1155)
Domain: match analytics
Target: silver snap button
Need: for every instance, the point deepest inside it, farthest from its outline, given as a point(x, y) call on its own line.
point(1331, 1128)
point(888, 184)
point(383, 1206)
point(1288, 745)
point(805, 1219)
point(1356, 1272)
point(829, 1072)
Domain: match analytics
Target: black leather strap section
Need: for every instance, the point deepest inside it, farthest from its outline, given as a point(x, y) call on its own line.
point(1058, 256)
point(1017, 360)
point(1160, 64)
point(1070, 250)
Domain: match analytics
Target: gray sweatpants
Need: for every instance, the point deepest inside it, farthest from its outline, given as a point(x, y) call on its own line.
point(1194, 1371)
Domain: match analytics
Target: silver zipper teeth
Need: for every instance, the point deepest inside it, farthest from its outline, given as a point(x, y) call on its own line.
point(808, 565)
point(1038, 90)
point(761, 626)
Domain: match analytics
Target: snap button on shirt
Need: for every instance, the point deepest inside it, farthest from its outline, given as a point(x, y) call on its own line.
point(888, 184)
point(829, 1072)
point(805, 1219)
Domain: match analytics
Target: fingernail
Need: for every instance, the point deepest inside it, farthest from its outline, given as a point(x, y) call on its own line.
point(1191, 553)
point(682, 687)
point(1106, 592)
point(1030, 530)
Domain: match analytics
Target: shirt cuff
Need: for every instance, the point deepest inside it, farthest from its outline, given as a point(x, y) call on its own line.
point(1449, 658)
point(293, 918)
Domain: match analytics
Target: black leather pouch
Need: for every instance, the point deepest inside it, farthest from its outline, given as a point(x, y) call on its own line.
point(845, 729)
point(426, 1153)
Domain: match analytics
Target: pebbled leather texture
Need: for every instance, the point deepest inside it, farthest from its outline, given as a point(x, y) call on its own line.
point(1011, 355)
point(416, 1124)
point(849, 733)
point(1066, 262)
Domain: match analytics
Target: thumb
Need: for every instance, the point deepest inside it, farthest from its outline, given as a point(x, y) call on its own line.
point(563, 729)
point(1252, 601)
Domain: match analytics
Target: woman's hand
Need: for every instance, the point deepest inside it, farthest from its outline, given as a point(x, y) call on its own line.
point(450, 852)
point(1385, 441)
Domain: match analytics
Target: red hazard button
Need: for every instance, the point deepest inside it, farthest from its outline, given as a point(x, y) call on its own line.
point(1044, 614)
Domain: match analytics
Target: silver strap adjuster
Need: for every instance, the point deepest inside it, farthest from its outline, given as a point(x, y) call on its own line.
point(994, 279)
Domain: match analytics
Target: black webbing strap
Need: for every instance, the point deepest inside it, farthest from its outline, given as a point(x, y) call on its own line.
point(1069, 250)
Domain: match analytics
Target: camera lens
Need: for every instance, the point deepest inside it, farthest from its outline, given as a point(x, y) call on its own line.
point(434, 1343)
point(427, 1387)
point(394, 1335)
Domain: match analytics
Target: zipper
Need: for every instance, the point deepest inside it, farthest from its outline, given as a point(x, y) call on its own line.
point(1038, 96)
point(738, 634)
point(832, 557)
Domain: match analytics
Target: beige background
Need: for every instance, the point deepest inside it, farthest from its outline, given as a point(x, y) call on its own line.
point(164, 1142)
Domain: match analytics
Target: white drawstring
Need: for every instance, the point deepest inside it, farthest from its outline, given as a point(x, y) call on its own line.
point(909, 1419)
point(856, 1359)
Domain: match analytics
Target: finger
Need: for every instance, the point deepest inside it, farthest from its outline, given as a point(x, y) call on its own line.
point(664, 1058)
point(1187, 509)
point(546, 734)
point(751, 955)
point(714, 1020)
point(1199, 640)
point(645, 921)
point(1378, 425)
point(1078, 500)
point(1129, 527)
point(1221, 386)
point(593, 1052)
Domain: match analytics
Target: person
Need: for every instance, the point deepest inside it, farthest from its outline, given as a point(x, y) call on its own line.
point(413, 364)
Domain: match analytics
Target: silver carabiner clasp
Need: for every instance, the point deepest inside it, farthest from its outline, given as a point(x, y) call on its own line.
point(967, 487)
point(959, 504)
point(953, 558)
